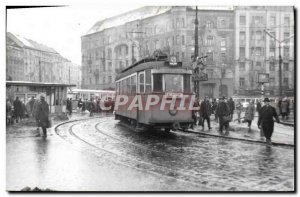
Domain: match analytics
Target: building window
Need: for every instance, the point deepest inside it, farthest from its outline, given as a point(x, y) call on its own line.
point(242, 36)
point(273, 20)
point(242, 66)
point(109, 79)
point(104, 67)
point(242, 52)
point(242, 82)
point(109, 66)
point(272, 66)
point(258, 51)
point(182, 40)
point(182, 56)
point(223, 42)
point(242, 20)
point(286, 21)
point(286, 66)
point(223, 23)
point(103, 80)
point(210, 57)
point(109, 53)
point(286, 35)
point(209, 40)
point(177, 40)
point(258, 20)
point(272, 52)
point(286, 51)
point(272, 81)
point(286, 82)
point(258, 65)
point(177, 55)
point(209, 25)
point(223, 57)
point(258, 35)
point(210, 73)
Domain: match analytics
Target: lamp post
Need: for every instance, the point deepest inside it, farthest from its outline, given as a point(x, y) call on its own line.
point(280, 58)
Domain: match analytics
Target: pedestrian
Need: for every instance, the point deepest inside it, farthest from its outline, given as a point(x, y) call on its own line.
point(24, 110)
point(91, 107)
point(194, 113)
point(284, 106)
point(205, 112)
point(84, 105)
point(214, 108)
point(79, 104)
point(258, 106)
point(249, 114)
point(42, 114)
point(34, 111)
point(231, 107)
point(70, 106)
point(265, 120)
point(18, 109)
point(239, 109)
point(30, 104)
point(9, 112)
point(223, 112)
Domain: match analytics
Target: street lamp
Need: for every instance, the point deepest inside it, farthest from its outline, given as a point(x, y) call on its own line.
point(280, 58)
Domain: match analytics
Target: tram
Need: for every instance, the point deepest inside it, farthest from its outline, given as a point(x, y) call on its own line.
point(87, 94)
point(164, 78)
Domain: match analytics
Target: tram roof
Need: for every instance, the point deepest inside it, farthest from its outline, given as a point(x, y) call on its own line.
point(144, 64)
point(29, 83)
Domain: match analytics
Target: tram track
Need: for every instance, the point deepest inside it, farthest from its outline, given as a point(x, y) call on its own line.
point(142, 165)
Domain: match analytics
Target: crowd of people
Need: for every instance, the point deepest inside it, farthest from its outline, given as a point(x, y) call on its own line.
point(92, 105)
point(224, 109)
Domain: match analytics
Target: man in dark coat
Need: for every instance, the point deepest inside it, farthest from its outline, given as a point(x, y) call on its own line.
point(231, 107)
point(265, 120)
point(18, 109)
point(258, 106)
point(223, 110)
point(205, 112)
point(42, 114)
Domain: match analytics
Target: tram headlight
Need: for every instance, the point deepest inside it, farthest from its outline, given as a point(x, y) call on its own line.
point(173, 112)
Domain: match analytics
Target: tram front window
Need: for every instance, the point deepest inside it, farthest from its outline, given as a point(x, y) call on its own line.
point(173, 83)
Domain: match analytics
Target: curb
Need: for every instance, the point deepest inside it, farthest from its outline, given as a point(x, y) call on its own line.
point(236, 138)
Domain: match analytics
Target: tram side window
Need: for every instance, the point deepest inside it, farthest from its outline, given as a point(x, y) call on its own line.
point(133, 85)
point(157, 83)
point(148, 81)
point(128, 89)
point(141, 83)
point(124, 86)
point(187, 83)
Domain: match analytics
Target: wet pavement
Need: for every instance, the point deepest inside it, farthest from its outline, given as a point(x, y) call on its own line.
point(102, 155)
point(282, 135)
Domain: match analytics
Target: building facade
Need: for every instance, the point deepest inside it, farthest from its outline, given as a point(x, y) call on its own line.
point(27, 60)
point(256, 50)
point(117, 42)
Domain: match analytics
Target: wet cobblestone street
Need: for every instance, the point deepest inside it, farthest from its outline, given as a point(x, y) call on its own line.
point(161, 161)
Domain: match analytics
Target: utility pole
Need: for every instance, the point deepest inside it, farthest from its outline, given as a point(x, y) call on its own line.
point(280, 58)
point(40, 70)
point(196, 83)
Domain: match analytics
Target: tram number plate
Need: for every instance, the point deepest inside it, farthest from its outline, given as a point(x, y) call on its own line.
point(171, 94)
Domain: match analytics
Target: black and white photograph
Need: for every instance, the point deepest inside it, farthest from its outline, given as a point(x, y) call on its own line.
point(150, 98)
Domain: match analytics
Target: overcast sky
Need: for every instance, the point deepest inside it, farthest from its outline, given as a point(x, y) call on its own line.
point(61, 27)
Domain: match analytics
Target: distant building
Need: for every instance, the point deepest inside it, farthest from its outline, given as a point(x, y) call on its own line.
point(256, 52)
point(27, 60)
point(115, 43)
